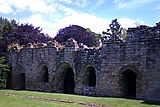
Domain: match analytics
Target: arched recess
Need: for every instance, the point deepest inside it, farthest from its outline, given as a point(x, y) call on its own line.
point(68, 81)
point(129, 80)
point(64, 80)
point(129, 83)
point(44, 74)
point(9, 77)
point(21, 77)
point(90, 76)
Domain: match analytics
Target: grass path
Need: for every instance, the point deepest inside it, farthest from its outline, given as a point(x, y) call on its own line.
point(54, 100)
point(12, 98)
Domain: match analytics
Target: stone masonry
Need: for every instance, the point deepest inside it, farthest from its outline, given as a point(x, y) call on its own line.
point(129, 68)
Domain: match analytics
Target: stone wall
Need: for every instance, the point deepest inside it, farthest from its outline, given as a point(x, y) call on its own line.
point(139, 54)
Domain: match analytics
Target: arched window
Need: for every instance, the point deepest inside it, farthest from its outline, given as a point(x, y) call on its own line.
point(91, 76)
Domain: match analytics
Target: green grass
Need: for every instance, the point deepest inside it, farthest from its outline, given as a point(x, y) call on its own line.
point(8, 101)
point(17, 101)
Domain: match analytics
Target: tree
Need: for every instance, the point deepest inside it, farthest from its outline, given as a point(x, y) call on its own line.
point(6, 28)
point(96, 36)
point(80, 34)
point(22, 34)
point(4, 71)
point(27, 33)
point(116, 30)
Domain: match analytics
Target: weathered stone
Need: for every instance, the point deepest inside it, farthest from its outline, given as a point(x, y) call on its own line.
point(115, 63)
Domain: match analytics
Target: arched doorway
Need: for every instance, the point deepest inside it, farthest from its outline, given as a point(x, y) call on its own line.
point(43, 75)
point(22, 80)
point(20, 77)
point(91, 76)
point(129, 83)
point(68, 82)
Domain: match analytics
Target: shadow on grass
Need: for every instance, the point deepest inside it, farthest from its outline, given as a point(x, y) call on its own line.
point(151, 102)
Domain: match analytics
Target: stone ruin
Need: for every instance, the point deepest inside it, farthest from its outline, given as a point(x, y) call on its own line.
point(118, 68)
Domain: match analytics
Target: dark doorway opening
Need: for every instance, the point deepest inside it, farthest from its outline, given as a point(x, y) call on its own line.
point(68, 83)
point(129, 80)
point(22, 81)
point(45, 76)
point(8, 86)
point(91, 77)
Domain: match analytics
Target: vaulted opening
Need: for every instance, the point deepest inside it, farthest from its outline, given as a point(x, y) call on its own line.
point(91, 76)
point(45, 75)
point(68, 82)
point(9, 79)
point(22, 80)
point(129, 83)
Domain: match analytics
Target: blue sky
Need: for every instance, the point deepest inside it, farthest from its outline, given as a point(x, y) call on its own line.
point(51, 15)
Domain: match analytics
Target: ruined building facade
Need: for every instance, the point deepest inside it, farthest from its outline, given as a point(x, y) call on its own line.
point(129, 68)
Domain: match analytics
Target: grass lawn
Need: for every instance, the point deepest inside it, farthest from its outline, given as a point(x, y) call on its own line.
point(12, 98)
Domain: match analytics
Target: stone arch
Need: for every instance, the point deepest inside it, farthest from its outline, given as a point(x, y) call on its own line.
point(43, 74)
point(64, 78)
point(20, 77)
point(129, 80)
point(90, 76)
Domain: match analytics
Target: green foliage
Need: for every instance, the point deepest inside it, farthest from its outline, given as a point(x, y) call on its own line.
point(6, 26)
point(4, 70)
point(80, 34)
point(116, 29)
point(22, 34)
point(95, 35)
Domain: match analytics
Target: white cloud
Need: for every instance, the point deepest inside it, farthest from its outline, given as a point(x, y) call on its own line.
point(39, 21)
point(127, 22)
point(132, 3)
point(5, 8)
point(67, 11)
point(40, 6)
point(120, 3)
point(18, 4)
point(95, 23)
point(51, 27)
point(85, 20)
point(81, 3)
point(44, 15)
